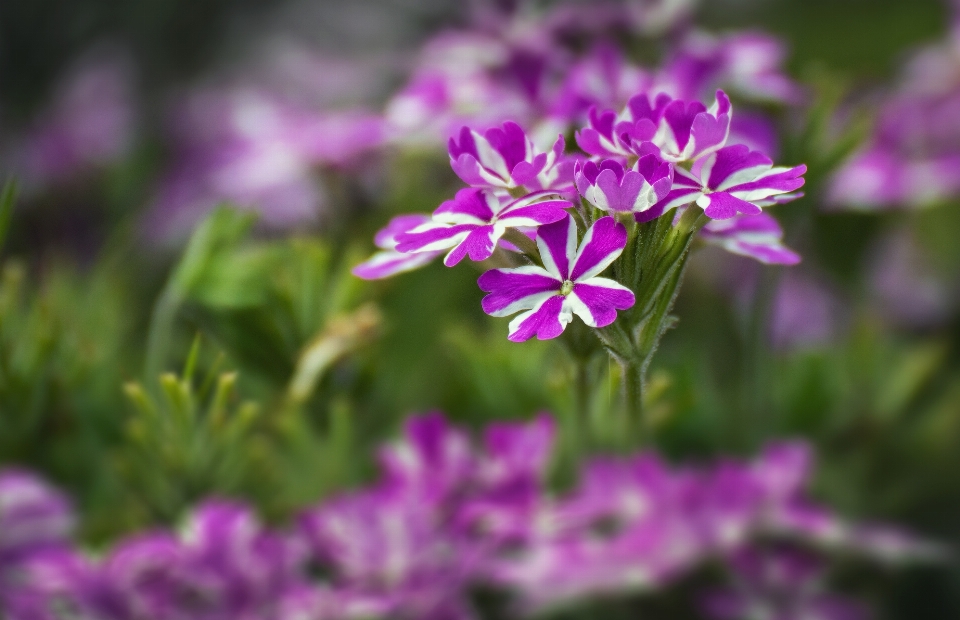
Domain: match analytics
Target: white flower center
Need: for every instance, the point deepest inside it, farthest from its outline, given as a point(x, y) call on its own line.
point(566, 288)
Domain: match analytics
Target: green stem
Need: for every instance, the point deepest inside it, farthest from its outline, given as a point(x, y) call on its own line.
point(524, 243)
point(634, 387)
point(160, 333)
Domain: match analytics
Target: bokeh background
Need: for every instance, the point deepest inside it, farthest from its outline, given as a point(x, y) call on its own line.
point(109, 278)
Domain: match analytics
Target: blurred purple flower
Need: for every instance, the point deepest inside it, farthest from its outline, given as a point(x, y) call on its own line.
point(904, 286)
point(627, 527)
point(33, 515)
point(602, 79)
point(913, 158)
point(805, 312)
point(35, 522)
point(256, 151)
point(225, 565)
point(88, 124)
point(747, 63)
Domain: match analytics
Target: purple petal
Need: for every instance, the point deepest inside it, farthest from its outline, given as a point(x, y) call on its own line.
point(479, 245)
point(774, 181)
point(710, 129)
point(557, 243)
point(386, 238)
point(601, 298)
point(533, 210)
point(433, 236)
point(721, 206)
point(512, 290)
point(732, 165)
point(469, 206)
point(601, 245)
point(756, 236)
point(389, 263)
point(545, 322)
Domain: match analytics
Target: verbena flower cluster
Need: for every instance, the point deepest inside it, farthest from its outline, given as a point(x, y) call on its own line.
point(449, 516)
point(654, 158)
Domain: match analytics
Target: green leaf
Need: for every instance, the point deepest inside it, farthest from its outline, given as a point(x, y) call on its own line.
point(7, 198)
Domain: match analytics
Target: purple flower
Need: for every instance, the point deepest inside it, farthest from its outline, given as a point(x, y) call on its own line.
point(611, 187)
point(88, 124)
point(627, 527)
point(256, 150)
point(509, 479)
point(757, 236)
point(43, 584)
point(389, 262)
point(883, 178)
point(609, 134)
point(35, 523)
point(806, 312)
point(913, 158)
point(33, 516)
point(567, 284)
point(390, 547)
point(684, 131)
point(689, 131)
point(506, 158)
point(430, 461)
point(472, 223)
point(779, 584)
point(734, 180)
point(224, 566)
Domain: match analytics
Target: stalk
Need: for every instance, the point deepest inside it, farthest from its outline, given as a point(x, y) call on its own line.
point(654, 271)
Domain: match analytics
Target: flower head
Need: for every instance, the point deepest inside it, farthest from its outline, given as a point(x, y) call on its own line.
point(567, 284)
point(611, 187)
point(474, 221)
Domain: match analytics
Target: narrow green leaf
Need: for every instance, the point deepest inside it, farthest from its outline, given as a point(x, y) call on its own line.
point(190, 366)
point(7, 197)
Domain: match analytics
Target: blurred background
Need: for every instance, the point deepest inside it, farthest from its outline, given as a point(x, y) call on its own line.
point(126, 124)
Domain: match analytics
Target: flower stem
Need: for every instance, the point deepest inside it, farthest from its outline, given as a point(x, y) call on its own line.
point(634, 387)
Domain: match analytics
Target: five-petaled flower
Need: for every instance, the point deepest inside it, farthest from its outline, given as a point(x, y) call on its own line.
point(506, 159)
point(611, 187)
point(733, 180)
point(388, 261)
point(684, 131)
point(567, 284)
point(474, 221)
point(756, 236)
